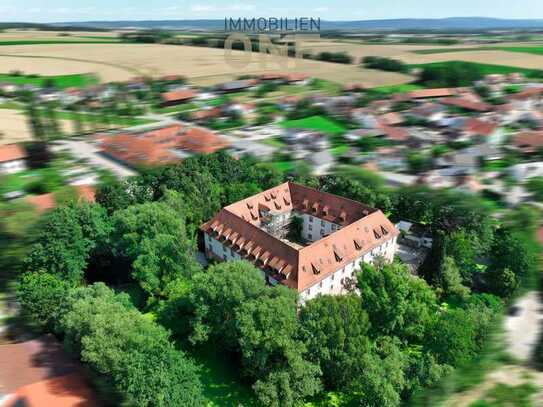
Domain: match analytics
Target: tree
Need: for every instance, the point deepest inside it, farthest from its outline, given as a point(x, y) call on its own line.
point(43, 298)
point(451, 280)
point(295, 229)
point(153, 237)
point(216, 296)
point(517, 252)
point(135, 353)
point(271, 353)
point(501, 282)
point(335, 329)
point(66, 238)
point(452, 337)
point(397, 303)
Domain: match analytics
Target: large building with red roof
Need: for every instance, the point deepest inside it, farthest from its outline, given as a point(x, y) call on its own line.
point(162, 145)
point(337, 235)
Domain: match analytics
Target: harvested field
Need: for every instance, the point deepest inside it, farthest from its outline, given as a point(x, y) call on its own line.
point(14, 127)
point(113, 62)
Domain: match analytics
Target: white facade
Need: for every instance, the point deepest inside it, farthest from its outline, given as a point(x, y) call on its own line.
point(13, 166)
point(333, 284)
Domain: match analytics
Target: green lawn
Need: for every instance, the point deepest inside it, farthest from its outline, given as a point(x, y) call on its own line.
point(391, 89)
point(537, 50)
point(60, 81)
point(222, 385)
point(318, 123)
point(284, 166)
point(487, 69)
point(274, 142)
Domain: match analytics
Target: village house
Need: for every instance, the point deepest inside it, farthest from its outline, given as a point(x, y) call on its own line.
point(12, 159)
point(176, 97)
point(525, 171)
point(529, 141)
point(336, 235)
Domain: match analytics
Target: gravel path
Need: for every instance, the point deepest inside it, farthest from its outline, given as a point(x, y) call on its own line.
point(522, 330)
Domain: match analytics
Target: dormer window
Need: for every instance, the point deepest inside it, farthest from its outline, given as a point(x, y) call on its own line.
point(376, 234)
point(316, 269)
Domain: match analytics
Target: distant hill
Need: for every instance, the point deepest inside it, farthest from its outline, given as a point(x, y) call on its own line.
point(422, 24)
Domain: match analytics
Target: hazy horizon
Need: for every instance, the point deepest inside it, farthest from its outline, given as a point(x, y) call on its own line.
point(55, 11)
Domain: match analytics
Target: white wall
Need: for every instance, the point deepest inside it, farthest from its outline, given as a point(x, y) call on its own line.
point(332, 284)
point(11, 167)
point(315, 228)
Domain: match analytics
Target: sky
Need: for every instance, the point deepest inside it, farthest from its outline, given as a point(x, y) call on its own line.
point(84, 10)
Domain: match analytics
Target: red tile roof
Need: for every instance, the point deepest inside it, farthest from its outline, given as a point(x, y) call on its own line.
point(178, 95)
point(46, 202)
point(42, 202)
point(201, 140)
point(63, 391)
point(527, 93)
point(431, 93)
point(466, 104)
point(11, 152)
point(479, 127)
point(156, 147)
point(363, 229)
point(529, 141)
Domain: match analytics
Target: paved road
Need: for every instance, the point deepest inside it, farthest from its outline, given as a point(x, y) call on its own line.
point(522, 330)
point(88, 151)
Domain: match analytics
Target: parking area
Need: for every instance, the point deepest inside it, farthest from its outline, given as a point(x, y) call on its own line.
point(523, 326)
point(411, 256)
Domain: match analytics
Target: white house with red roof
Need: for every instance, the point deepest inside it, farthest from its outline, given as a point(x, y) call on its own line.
point(12, 159)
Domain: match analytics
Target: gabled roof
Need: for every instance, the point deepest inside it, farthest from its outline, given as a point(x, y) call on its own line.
point(362, 229)
point(466, 104)
point(177, 95)
point(11, 152)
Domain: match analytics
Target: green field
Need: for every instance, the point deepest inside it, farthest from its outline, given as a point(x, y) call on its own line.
point(487, 69)
point(60, 81)
point(527, 50)
point(318, 123)
point(391, 89)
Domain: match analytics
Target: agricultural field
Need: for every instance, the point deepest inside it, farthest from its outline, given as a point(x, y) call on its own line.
point(14, 128)
point(205, 66)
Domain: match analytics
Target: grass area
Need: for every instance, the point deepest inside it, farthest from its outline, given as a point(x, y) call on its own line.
point(318, 123)
point(274, 142)
point(11, 105)
point(284, 166)
point(329, 87)
point(339, 150)
point(537, 50)
point(60, 81)
point(487, 69)
point(504, 395)
point(391, 89)
point(48, 178)
point(222, 385)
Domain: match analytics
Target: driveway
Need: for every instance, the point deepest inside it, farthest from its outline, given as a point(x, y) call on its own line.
point(522, 330)
point(85, 150)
